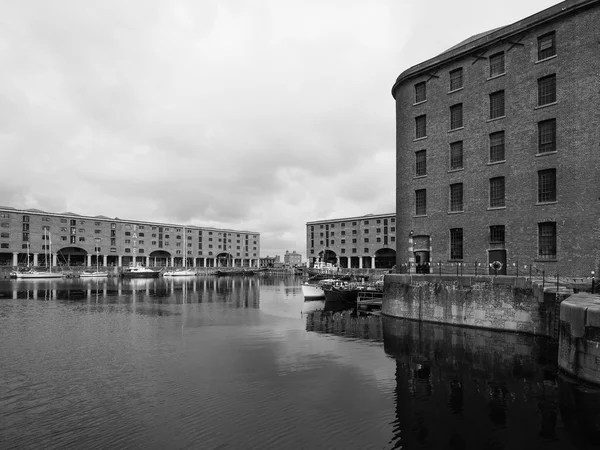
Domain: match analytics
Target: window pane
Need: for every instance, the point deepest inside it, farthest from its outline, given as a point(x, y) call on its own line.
point(497, 146)
point(497, 64)
point(421, 163)
point(547, 240)
point(456, 79)
point(546, 46)
point(547, 90)
point(420, 127)
point(456, 243)
point(497, 104)
point(497, 234)
point(547, 136)
point(497, 192)
point(420, 92)
point(456, 155)
point(456, 116)
point(547, 185)
point(456, 197)
point(421, 202)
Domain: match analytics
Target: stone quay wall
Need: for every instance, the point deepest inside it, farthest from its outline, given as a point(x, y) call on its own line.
point(496, 303)
point(579, 340)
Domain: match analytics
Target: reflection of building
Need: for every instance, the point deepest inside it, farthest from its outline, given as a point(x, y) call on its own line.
point(79, 240)
point(497, 146)
point(292, 259)
point(353, 242)
point(471, 388)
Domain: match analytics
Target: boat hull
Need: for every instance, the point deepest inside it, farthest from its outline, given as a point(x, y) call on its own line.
point(37, 275)
point(93, 274)
point(312, 292)
point(337, 299)
point(181, 273)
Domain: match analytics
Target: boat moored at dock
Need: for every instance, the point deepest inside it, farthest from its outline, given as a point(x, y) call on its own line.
point(139, 271)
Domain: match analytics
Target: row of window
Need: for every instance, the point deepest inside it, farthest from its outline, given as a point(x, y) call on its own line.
point(497, 148)
point(497, 67)
point(73, 223)
point(355, 223)
point(497, 193)
point(365, 231)
point(497, 235)
point(497, 106)
point(355, 240)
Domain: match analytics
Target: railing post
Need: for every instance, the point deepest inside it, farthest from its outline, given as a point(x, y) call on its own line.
point(517, 269)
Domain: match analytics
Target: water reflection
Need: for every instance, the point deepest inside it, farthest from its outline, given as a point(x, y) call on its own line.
point(467, 388)
point(241, 292)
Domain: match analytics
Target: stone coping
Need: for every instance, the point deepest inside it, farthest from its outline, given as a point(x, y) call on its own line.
point(580, 311)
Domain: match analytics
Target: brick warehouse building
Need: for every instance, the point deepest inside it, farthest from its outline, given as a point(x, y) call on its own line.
point(79, 240)
point(498, 148)
point(363, 242)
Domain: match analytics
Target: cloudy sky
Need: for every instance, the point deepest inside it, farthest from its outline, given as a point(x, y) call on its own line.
point(256, 115)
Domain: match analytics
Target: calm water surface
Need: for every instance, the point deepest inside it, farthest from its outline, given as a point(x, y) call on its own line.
point(236, 362)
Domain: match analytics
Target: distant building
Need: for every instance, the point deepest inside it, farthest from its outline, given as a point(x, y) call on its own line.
point(353, 242)
point(270, 261)
point(78, 240)
point(292, 259)
point(497, 147)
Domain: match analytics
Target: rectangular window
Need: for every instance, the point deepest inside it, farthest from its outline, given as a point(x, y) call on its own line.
point(366, 240)
point(420, 127)
point(497, 234)
point(25, 218)
point(26, 237)
point(456, 79)
point(456, 116)
point(73, 239)
point(547, 90)
point(547, 136)
point(497, 64)
point(546, 46)
point(456, 155)
point(456, 197)
point(421, 163)
point(497, 146)
point(547, 240)
point(456, 243)
point(497, 104)
point(421, 202)
point(420, 92)
point(497, 192)
point(547, 186)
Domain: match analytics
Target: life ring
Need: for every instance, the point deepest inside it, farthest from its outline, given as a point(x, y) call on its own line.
point(496, 265)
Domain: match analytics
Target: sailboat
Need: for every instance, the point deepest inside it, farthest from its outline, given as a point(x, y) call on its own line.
point(33, 273)
point(185, 272)
point(96, 274)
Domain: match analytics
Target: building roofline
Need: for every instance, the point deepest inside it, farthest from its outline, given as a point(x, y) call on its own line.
point(493, 37)
point(10, 209)
point(366, 216)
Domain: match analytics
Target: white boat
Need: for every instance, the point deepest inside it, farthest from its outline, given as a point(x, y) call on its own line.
point(314, 290)
point(186, 271)
point(36, 274)
point(180, 273)
point(139, 271)
point(32, 273)
point(95, 274)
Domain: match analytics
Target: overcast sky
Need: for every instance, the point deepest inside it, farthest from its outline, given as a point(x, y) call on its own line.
point(256, 115)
